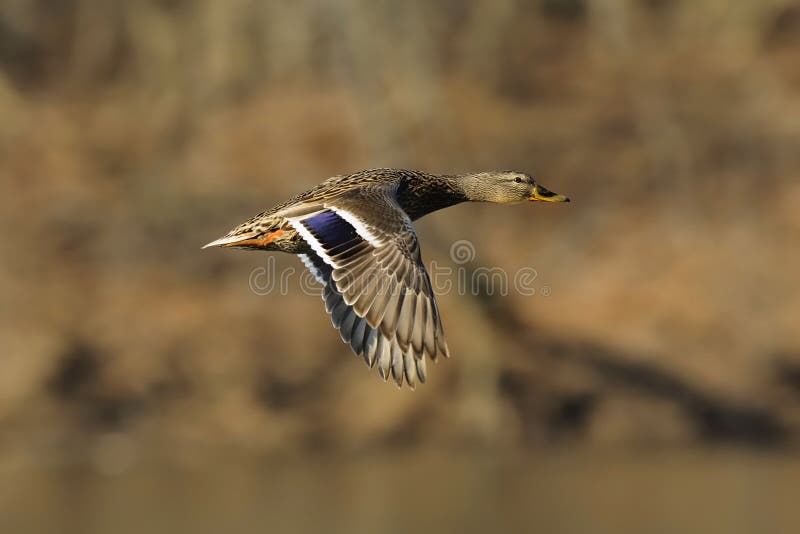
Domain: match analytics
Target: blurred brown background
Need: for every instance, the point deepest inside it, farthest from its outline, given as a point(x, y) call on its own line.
point(143, 380)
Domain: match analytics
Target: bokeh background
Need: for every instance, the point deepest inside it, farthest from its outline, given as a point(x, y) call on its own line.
point(651, 384)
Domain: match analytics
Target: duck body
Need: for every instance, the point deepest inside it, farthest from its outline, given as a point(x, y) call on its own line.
point(417, 194)
point(355, 234)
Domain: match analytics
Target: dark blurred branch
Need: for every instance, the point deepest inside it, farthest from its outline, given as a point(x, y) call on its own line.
point(714, 417)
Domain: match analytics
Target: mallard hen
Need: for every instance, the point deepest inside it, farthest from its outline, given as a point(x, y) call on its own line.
point(355, 234)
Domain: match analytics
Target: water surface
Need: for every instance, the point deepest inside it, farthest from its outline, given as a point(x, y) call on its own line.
point(565, 492)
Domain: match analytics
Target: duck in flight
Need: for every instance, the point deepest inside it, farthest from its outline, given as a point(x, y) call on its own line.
point(355, 234)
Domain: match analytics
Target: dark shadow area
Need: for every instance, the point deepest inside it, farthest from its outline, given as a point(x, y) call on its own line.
point(715, 419)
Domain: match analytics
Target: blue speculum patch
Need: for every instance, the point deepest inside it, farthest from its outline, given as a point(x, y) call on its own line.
point(334, 233)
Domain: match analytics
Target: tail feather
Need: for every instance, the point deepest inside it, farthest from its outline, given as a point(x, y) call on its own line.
point(230, 240)
point(253, 239)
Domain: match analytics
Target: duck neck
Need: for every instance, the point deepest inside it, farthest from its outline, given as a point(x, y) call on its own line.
point(421, 193)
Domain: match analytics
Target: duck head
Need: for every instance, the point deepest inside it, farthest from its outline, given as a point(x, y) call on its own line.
point(506, 187)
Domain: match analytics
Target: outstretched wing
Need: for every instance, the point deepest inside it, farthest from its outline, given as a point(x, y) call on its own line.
point(377, 291)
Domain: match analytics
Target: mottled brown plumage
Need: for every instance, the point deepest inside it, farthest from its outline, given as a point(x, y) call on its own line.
point(355, 234)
